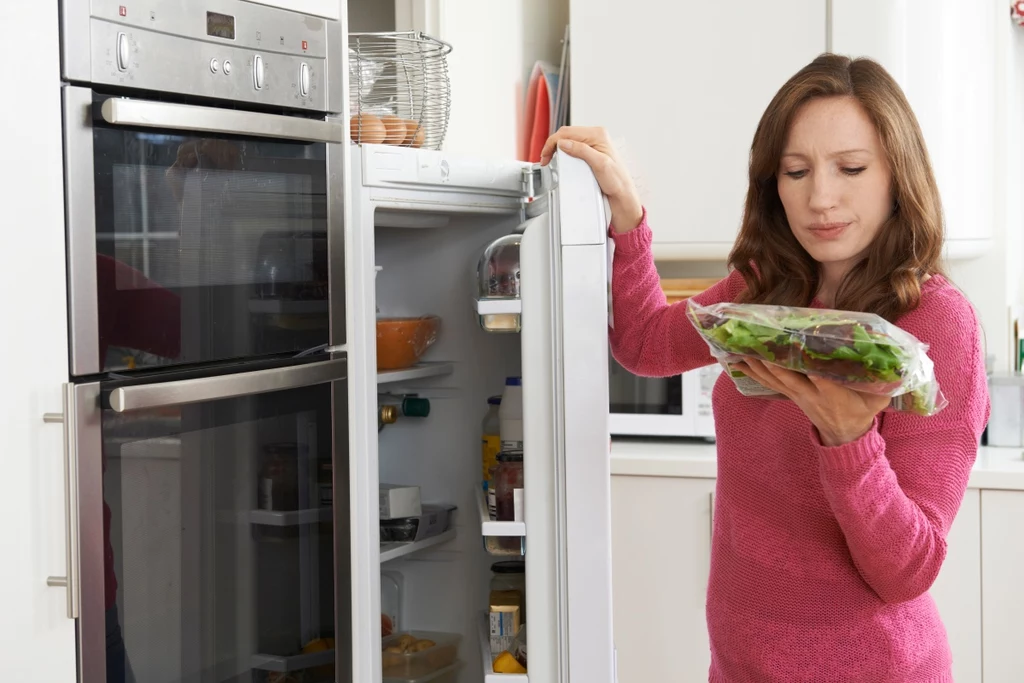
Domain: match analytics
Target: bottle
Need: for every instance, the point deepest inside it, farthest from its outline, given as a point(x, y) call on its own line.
point(490, 447)
point(510, 415)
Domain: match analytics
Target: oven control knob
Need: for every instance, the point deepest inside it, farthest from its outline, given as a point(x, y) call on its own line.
point(122, 52)
point(257, 72)
point(304, 80)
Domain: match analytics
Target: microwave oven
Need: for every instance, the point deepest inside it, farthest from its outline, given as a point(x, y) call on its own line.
point(677, 406)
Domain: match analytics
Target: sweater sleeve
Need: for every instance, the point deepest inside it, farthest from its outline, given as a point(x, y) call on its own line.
point(649, 337)
point(896, 491)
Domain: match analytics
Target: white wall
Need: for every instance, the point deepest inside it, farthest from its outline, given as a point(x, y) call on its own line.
point(495, 45)
point(994, 282)
point(38, 640)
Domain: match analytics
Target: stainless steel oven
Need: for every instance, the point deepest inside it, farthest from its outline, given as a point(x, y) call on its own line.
point(206, 416)
point(204, 164)
point(204, 526)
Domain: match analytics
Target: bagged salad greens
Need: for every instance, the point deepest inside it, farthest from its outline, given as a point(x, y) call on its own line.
point(860, 350)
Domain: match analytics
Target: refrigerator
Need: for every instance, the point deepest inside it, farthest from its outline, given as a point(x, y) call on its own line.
point(417, 221)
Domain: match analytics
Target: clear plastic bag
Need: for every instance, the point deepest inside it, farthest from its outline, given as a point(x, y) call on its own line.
point(860, 350)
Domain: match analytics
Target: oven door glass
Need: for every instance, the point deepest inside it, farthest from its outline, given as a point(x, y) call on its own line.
point(218, 539)
point(632, 395)
point(206, 247)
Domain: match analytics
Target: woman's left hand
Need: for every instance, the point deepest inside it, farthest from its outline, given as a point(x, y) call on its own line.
point(841, 415)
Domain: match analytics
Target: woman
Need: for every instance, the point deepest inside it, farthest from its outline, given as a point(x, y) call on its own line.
point(831, 515)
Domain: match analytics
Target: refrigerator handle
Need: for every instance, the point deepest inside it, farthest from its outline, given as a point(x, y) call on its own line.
point(181, 392)
point(70, 580)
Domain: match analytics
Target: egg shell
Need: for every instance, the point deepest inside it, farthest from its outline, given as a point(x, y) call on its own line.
point(396, 130)
point(367, 129)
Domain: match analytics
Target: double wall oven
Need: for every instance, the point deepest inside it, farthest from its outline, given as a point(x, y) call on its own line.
point(206, 412)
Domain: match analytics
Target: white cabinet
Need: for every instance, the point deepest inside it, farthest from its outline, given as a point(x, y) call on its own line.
point(943, 54)
point(681, 87)
point(330, 9)
point(661, 544)
point(661, 549)
point(1002, 575)
point(957, 590)
point(37, 635)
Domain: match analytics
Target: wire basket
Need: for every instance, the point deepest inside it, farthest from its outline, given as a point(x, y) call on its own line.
point(400, 91)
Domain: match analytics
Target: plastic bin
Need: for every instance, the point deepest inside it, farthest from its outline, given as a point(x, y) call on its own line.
point(413, 666)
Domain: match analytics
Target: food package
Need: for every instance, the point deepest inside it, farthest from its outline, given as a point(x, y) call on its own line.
point(862, 351)
point(505, 618)
point(397, 502)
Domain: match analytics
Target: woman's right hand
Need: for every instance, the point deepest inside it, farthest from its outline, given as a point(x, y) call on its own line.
point(595, 147)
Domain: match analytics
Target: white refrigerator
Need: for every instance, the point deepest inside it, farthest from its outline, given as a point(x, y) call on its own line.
point(416, 223)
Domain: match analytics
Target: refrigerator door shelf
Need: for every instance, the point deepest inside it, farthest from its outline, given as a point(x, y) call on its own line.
point(489, 527)
point(500, 315)
point(488, 659)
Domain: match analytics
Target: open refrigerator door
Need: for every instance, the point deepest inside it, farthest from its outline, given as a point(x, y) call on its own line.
point(565, 390)
point(425, 219)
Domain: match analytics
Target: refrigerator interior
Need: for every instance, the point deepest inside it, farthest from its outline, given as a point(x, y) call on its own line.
point(433, 271)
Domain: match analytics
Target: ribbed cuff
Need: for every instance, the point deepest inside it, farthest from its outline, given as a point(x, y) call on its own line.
point(849, 455)
point(637, 239)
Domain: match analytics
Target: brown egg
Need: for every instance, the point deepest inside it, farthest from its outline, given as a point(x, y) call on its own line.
point(367, 129)
point(410, 131)
point(419, 138)
point(396, 129)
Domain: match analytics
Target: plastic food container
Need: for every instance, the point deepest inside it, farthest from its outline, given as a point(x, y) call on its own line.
point(434, 521)
point(401, 663)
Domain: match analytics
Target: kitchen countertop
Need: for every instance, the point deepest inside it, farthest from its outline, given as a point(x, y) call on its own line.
point(995, 468)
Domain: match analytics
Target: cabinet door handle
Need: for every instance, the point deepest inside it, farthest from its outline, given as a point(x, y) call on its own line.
point(70, 579)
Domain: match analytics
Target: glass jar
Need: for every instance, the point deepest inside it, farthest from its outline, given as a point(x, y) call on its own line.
point(498, 280)
point(510, 576)
point(508, 485)
point(498, 269)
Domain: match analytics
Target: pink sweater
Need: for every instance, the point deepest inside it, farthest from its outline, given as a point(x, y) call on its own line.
point(821, 557)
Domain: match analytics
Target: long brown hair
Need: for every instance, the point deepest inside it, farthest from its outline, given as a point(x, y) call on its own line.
point(776, 269)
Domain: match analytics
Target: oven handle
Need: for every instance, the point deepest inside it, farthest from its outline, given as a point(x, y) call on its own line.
point(181, 392)
point(148, 114)
point(70, 580)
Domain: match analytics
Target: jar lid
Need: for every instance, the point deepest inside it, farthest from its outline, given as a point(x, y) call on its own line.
point(510, 456)
point(494, 401)
point(509, 567)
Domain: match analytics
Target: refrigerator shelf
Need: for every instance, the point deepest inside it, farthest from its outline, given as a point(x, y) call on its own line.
point(419, 371)
point(488, 659)
point(290, 517)
point(392, 551)
point(498, 306)
point(489, 527)
point(279, 664)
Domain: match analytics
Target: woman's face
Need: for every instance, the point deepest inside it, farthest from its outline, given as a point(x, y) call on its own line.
point(834, 182)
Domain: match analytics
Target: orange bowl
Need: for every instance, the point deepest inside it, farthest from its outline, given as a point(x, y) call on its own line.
point(402, 341)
